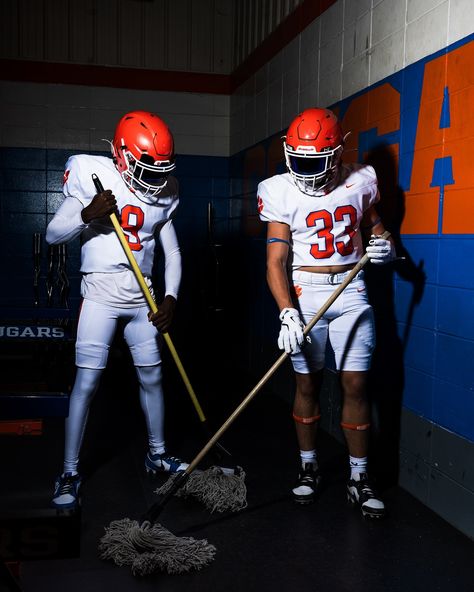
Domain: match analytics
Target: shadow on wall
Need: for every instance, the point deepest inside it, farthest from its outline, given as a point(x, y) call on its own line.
point(386, 379)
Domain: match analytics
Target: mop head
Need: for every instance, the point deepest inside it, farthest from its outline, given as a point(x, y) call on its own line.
point(218, 490)
point(150, 547)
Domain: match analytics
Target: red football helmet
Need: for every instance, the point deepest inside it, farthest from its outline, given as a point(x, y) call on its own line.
point(313, 147)
point(143, 151)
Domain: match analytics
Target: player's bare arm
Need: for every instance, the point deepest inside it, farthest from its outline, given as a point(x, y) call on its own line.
point(291, 336)
point(380, 251)
point(277, 256)
point(372, 223)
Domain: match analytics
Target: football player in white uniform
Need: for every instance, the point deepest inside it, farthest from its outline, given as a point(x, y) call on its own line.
point(316, 215)
point(140, 190)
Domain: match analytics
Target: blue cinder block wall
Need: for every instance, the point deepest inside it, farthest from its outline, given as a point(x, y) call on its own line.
point(31, 192)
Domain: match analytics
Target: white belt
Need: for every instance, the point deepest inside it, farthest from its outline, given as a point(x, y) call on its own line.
point(314, 278)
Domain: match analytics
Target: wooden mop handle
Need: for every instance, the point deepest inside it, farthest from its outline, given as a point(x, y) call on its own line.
point(279, 361)
point(151, 302)
point(330, 301)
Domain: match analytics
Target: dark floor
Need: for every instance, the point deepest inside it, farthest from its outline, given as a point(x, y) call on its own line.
point(273, 545)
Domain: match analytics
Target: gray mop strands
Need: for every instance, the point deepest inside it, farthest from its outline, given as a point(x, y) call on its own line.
point(146, 548)
point(217, 490)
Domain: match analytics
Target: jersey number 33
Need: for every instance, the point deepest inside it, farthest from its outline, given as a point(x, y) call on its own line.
point(325, 223)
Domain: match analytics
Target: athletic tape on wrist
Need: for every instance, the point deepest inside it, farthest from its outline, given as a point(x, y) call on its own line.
point(306, 420)
point(358, 427)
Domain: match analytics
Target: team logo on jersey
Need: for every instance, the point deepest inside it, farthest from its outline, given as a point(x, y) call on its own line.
point(65, 176)
point(259, 204)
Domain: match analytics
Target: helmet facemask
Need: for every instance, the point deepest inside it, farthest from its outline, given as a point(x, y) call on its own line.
point(145, 176)
point(313, 172)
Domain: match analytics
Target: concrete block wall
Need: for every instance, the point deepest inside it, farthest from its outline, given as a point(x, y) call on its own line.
point(436, 466)
point(255, 21)
point(61, 116)
point(351, 46)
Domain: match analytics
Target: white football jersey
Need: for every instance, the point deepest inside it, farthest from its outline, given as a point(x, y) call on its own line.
point(325, 230)
point(140, 219)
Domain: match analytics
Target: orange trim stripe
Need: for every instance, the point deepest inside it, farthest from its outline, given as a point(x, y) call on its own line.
point(306, 420)
point(21, 427)
point(358, 427)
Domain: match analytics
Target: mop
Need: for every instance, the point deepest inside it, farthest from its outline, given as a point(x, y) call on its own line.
point(217, 490)
point(146, 548)
point(142, 544)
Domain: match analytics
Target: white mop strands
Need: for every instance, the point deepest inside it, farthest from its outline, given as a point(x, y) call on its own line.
point(218, 490)
point(148, 547)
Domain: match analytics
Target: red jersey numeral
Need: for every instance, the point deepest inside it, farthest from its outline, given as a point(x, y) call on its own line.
point(131, 220)
point(346, 214)
point(324, 222)
point(325, 248)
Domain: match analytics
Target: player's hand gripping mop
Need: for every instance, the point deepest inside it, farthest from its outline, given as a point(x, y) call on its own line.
point(219, 488)
point(141, 545)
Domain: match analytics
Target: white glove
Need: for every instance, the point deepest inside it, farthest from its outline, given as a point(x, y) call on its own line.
point(380, 250)
point(291, 336)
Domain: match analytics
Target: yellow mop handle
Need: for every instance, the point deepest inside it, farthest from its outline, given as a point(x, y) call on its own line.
point(154, 308)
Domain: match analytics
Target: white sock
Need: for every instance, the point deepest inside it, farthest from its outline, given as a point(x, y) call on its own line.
point(308, 456)
point(358, 465)
point(157, 448)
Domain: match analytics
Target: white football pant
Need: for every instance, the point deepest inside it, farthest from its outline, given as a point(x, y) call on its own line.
point(97, 325)
point(348, 323)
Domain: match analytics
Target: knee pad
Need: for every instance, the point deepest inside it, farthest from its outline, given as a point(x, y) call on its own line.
point(357, 427)
point(146, 353)
point(91, 355)
point(306, 420)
